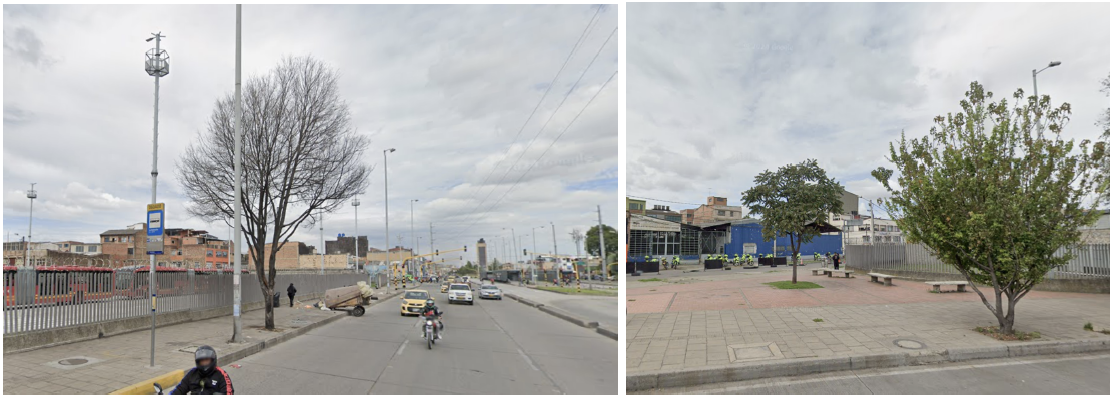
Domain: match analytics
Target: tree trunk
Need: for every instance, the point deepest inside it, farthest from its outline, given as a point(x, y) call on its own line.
point(794, 258)
point(269, 308)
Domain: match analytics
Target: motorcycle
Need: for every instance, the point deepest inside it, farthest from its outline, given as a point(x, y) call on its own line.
point(430, 330)
point(158, 389)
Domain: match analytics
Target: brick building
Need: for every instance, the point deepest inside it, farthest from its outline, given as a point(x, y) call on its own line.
point(287, 257)
point(715, 210)
point(186, 248)
point(347, 245)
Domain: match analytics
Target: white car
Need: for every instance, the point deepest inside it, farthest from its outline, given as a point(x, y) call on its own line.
point(459, 292)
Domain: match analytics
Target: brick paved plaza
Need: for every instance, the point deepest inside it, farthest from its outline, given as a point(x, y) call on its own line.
point(716, 318)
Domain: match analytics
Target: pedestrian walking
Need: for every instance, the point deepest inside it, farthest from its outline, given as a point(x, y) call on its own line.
point(290, 291)
point(835, 260)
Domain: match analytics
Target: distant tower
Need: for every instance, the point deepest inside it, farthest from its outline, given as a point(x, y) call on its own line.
point(481, 254)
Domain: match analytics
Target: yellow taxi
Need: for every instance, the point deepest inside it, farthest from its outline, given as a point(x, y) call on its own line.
point(413, 301)
point(445, 287)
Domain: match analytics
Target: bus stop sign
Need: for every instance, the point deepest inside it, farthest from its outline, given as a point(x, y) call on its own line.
point(155, 216)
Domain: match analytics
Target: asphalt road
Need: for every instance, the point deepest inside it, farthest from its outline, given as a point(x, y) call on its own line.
point(1054, 375)
point(492, 347)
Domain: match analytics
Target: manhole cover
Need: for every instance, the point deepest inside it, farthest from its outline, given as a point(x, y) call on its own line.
point(73, 361)
point(909, 344)
point(753, 352)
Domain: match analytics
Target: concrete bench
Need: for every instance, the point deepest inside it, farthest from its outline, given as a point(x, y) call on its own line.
point(818, 271)
point(888, 279)
point(960, 286)
point(829, 272)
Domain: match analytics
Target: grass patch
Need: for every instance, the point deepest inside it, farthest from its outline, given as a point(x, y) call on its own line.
point(1088, 327)
point(652, 280)
point(818, 320)
point(791, 285)
point(583, 292)
point(992, 331)
point(1105, 331)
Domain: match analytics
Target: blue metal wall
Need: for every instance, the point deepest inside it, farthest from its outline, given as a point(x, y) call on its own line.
point(752, 233)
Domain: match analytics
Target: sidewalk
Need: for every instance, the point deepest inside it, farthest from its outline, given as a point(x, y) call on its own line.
point(727, 318)
point(105, 365)
point(603, 310)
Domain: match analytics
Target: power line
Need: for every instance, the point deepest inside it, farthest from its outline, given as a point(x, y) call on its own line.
point(566, 129)
point(575, 47)
point(542, 129)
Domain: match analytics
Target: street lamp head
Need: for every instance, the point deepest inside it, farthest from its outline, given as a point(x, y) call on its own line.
point(1053, 63)
point(149, 39)
point(389, 150)
point(355, 202)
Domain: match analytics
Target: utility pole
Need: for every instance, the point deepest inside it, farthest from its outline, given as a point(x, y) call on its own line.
point(27, 247)
point(237, 322)
point(603, 253)
point(431, 250)
point(386, 218)
point(321, 218)
point(158, 67)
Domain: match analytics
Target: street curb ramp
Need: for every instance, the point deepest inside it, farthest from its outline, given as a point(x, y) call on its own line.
point(806, 366)
point(170, 379)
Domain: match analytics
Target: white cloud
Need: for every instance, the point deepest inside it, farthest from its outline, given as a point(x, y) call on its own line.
point(448, 86)
point(719, 93)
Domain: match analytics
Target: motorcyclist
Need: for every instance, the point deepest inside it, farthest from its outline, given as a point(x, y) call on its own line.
point(206, 378)
point(431, 311)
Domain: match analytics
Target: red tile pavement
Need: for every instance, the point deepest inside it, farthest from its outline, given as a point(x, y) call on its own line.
point(746, 291)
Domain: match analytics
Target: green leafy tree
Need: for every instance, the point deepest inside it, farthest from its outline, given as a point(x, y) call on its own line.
point(995, 195)
point(467, 269)
point(1104, 141)
point(794, 201)
point(610, 240)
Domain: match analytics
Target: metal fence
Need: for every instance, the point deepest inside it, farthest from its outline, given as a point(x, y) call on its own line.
point(37, 300)
point(1089, 260)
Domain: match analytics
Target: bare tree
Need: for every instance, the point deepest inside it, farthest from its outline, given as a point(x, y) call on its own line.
point(300, 156)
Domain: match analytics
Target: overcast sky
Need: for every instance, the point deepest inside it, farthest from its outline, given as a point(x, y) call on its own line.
point(448, 86)
point(718, 93)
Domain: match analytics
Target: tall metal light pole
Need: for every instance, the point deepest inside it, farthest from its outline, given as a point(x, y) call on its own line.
point(554, 228)
point(356, 217)
point(237, 324)
point(413, 240)
point(386, 219)
point(31, 194)
point(1037, 96)
point(522, 275)
point(157, 65)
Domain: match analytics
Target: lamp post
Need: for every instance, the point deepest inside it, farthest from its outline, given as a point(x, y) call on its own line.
point(237, 323)
point(321, 219)
point(356, 218)
point(1035, 72)
point(1037, 96)
point(31, 194)
point(413, 241)
point(522, 275)
point(386, 219)
point(157, 65)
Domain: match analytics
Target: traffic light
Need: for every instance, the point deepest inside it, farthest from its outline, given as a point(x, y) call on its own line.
point(466, 249)
point(437, 252)
point(524, 252)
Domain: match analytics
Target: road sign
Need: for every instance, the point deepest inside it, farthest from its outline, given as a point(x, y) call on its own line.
point(155, 216)
point(852, 223)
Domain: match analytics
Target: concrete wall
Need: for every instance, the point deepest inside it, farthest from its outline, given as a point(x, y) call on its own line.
point(332, 261)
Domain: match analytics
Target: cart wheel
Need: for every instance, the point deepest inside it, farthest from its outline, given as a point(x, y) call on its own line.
point(358, 311)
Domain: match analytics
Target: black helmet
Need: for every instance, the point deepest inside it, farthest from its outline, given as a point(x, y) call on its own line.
point(205, 352)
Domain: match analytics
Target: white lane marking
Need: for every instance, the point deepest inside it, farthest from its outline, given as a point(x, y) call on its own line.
point(402, 347)
point(528, 361)
point(886, 373)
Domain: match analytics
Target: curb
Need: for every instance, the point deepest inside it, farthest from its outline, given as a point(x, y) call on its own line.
point(800, 367)
point(169, 379)
point(562, 314)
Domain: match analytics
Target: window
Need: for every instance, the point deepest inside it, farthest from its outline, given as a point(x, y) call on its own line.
point(131, 251)
point(79, 249)
point(209, 265)
point(209, 253)
point(720, 212)
point(92, 249)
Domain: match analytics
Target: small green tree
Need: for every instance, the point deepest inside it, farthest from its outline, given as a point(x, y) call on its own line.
point(610, 240)
point(793, 201)
point(994, 194)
